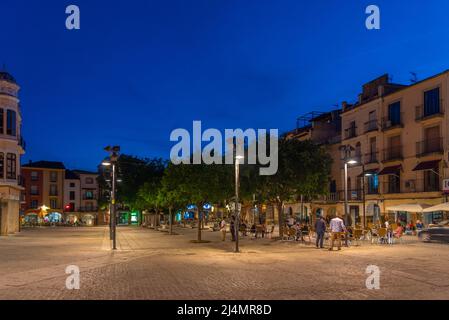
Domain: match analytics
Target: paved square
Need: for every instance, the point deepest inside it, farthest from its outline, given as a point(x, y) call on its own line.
point(153, 265)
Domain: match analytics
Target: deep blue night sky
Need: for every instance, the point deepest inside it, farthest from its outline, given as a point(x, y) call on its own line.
point(139, 69)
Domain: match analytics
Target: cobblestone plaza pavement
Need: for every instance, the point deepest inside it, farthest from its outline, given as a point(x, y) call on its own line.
point(153, 265)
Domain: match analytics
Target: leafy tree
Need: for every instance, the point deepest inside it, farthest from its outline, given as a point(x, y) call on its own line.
point(197, 184)
point(303, 168)
point(140, 180)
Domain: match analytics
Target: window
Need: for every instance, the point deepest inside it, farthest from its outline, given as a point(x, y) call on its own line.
point(54, 203)
point(2, 129)
point(34, 175)
point(333, 186)
point(53, 190)
point(431, 180)
point(11, 166)
point(433, 142)
point(11, 123)
point(88, 195)
point(72, 184)
point(394, 183)
point(373, 184)
point(395, 148)
point(34, 204)
point(72, 195)
point(394, 113)
point(34, 190)
point(2, 165)
point(358, 151)
point(431, 102)
point(89, 180)
point(53, 176)
point(372, 157)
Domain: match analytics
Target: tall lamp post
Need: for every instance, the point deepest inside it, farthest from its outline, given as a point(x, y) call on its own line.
point(347, 160)
point(112, 161)
point(237, 209)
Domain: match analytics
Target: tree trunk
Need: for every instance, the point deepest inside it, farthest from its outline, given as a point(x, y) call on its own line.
point(199, 223)
point(170, 218)
point(280, 205)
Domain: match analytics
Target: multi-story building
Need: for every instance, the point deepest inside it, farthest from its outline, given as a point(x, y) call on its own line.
point(323, 128)
point(12, 147)
point(54, 194)
point(87, 196)
point(398, 136)
point(72, 196)
point(44, 191)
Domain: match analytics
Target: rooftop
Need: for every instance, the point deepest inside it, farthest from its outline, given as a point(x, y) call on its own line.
point(71, 175)
point(5, 76)
point(45, 165)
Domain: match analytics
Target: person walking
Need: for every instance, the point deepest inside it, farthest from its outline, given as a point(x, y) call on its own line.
point(320, 229)
point(223, 229)
point(337, 227)
point(232, 228)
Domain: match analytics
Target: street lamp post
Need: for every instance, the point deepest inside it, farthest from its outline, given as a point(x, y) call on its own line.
point(112, 161)
point(237, 209)
point(347, 160)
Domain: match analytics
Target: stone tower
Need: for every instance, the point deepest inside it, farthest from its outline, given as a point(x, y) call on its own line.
point(12, 147)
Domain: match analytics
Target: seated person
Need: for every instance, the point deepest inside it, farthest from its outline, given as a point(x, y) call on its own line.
point(398, 232)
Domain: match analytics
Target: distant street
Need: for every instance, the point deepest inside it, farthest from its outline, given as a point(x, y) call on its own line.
point(153, 265)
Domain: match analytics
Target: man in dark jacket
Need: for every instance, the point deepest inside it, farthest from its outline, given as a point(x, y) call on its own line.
point(320, 228)
point(232, 228)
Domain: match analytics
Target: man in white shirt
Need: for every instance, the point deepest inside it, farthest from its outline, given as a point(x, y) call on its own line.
point(337, 227)
point(223, 229)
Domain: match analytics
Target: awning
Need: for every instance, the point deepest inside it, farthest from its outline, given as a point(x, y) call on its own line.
point(390, 170)
point(368, 172)
point(427, 165)
point(438, 207)
point(409, 207)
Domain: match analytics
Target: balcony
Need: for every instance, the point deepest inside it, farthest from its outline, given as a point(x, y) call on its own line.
point(353, 195)
point(372, 157)
point(350, 133)
point(330, 197)
point(89, 197)
point(391, 187)
point(423, 112)
point(371, 126)
point(392, 154)
point(429, 146)
point(417, 186)
point(390, 124)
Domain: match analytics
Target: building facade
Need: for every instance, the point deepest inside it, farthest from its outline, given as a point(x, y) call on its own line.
point(56, 195)
point(12, 147)
point(398, 137)
point(43, 196)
